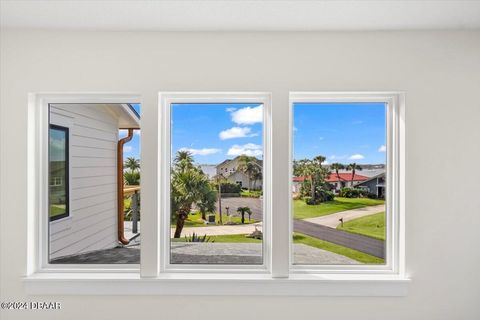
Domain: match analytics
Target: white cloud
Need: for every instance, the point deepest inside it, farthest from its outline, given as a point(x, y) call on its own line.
point(335, 157)
point(356, 157)
point(236, 132)
point(325, 162)
point(248, 115)
point(231, 109)
point(249, 149)
point(201, 152)
point(127, 148)
point(382, 148)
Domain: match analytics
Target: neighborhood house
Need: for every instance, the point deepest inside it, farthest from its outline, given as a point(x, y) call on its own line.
point(229, 170)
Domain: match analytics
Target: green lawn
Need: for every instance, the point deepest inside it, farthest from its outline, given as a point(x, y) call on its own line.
point(335, 248)
point(195, 220)
point(302, 210)
point(233, 238)
point(372, 226)
point(251, 193)
point(56, 209)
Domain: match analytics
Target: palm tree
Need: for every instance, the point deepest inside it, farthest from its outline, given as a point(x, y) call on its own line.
point(256, 177)
point(353, 167)
point(189, 185)
point(183, 160)
point(337, 166)
point(242, 211)
point(207, 200)
point(131, 178)
point(249, 166)
point(132, 164)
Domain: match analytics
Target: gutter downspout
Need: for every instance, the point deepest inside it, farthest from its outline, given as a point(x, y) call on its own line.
point(120, 206)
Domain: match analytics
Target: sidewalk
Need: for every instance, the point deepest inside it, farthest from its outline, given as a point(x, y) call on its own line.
point(332, 220)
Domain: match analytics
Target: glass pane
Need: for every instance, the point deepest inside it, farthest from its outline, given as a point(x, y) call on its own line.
point(94, 204)
point(216, 183)
point(339, 183)
point(58, 175)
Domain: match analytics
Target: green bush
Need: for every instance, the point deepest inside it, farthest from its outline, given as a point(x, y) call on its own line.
point(353, 193)
point(371, 195)
point(229, 188)
point(251, 193)
point(326, 195)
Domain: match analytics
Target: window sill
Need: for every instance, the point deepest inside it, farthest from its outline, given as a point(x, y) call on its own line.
point(215, 284)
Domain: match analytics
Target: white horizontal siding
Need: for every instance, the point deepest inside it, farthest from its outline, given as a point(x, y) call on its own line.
point(92, 224)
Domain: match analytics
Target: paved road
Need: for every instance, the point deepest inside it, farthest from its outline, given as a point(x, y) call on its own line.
point(358, 242)
point(255, 204)
point(332, 220)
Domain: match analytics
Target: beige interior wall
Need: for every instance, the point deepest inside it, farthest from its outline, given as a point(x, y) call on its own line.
point(439, 71)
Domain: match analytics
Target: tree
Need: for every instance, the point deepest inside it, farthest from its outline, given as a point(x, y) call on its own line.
point(132, 164)
point(249, 166)
point(242, 211)
point(337, 166)
point(207, 200)
point(189, 185)
point(131, 178)
point(354, 167)
point(314, 172)
point(256, 177)
point(219, 179)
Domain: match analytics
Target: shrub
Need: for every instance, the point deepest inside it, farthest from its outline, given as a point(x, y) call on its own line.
point(353, 193)
point(196, 238)
point(326, 195)
point(229, 187)
point(251, 193)
point(372, 195)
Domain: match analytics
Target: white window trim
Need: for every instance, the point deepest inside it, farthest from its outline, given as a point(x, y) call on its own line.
point(166, 99)
point(38, 126)
point(121, 279)
point(395, 169)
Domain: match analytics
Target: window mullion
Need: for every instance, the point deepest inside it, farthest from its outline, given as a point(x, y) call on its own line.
point(150, 251)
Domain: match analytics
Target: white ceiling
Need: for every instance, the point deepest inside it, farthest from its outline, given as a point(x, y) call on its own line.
point(236, 15)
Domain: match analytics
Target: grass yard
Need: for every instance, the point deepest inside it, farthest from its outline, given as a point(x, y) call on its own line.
point(195, 220)
point(233, 238)
point(302, 210)
point(56, 209)
point(335, 248)
point(372, 226)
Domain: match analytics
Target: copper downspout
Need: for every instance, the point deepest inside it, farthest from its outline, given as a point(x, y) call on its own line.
point(121, 217)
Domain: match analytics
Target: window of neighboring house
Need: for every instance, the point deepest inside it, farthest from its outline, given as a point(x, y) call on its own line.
point(58, 172)
point(210, 131)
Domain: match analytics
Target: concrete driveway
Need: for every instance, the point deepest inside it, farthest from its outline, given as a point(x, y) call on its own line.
point(332, 220)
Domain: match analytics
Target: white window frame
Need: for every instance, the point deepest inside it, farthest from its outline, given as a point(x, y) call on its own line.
point(166, 99)
point(395, 171)
point(38, 137)
point(276, 277)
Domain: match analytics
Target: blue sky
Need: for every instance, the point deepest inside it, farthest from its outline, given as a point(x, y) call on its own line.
point(132, 148)
point(342, 132)
point(215, 132)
